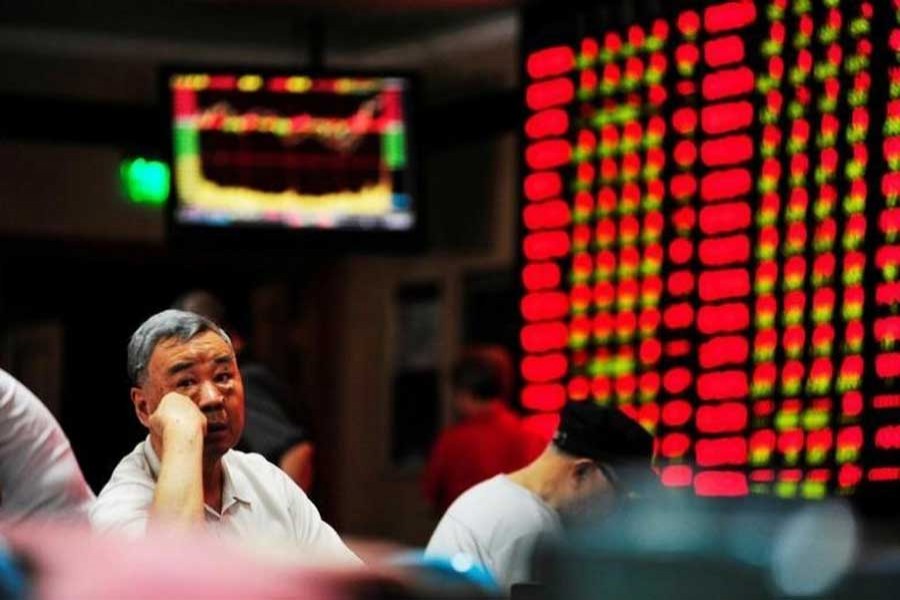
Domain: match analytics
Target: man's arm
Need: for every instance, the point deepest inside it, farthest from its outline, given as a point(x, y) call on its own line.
point(38, 470)
point(176, 431)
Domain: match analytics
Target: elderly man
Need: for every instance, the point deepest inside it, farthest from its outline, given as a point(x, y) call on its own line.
point(498, 522)
point(268, 429)
point(187, 392)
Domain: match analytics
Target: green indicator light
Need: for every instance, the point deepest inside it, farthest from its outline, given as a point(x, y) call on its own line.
point(786, 489)
point(813, 490)
point(145, 181)
point(814, 420)
point(774, 13)
point(816, 457)
point(786, 420)
point(759, 488)
point(845, 455)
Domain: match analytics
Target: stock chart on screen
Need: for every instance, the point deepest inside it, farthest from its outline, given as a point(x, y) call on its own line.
point(290, 150)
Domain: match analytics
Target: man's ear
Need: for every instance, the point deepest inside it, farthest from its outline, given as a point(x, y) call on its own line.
point(141, 408)
point(583, 467)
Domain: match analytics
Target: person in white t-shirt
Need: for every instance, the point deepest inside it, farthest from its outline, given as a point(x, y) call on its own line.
point(187, 392)
point(498, 523)
point(39, 476)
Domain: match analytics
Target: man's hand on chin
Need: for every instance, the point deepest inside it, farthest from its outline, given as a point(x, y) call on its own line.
point(177, 428)
point(176, 424)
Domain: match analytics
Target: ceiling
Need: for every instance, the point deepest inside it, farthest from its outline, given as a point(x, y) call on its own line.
point(110, 49)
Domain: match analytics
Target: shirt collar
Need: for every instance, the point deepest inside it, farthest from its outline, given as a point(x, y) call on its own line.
point(152, 458)
point(235, 487)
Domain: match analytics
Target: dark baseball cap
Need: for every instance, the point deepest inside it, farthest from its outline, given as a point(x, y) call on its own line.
point(605, 435)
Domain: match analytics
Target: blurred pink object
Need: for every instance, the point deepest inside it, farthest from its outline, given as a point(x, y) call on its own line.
point(71, 562)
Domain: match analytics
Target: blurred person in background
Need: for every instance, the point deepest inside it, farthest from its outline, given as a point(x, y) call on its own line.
point(268, 429)
point(187, 391)
point(487, 438)
point(39, 475)
point(498, 522)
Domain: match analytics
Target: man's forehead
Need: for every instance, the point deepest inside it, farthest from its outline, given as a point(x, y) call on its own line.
point(204, 346)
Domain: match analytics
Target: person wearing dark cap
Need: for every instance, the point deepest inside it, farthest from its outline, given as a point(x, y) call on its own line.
point(487, 438)
point(498, 522)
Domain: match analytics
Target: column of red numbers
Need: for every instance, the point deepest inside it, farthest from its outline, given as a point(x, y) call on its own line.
point(546, 244)
point(724, 280)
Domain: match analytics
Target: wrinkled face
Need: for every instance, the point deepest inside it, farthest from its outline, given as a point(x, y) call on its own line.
point(205, 370)
point(588, 490)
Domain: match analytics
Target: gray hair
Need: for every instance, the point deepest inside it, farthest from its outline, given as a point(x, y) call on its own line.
point(168, 324)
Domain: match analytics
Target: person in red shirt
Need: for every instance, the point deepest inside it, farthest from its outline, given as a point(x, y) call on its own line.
point(487, 438)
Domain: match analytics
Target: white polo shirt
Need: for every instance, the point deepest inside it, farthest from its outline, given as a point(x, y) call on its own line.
point(259, 502)
point(38, 471)
point(497, 523)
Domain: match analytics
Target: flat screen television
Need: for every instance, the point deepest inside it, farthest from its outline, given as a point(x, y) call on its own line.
point(290, 155)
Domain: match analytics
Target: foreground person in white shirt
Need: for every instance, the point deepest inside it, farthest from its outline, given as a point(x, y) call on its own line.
point(187, 392)
point(497, 523)
point(39, 476)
